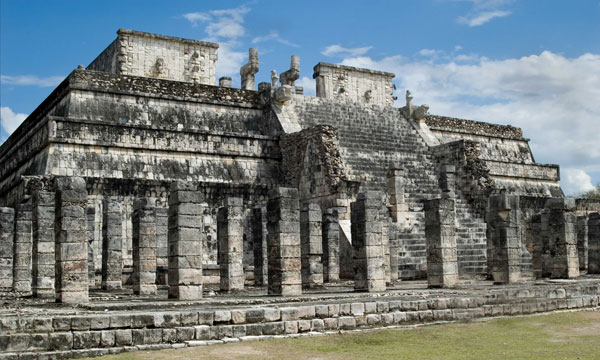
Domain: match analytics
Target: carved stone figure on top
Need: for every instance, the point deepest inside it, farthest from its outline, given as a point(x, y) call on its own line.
point(247, 71)
point(288, 77)
point(274, 78)
point(415, 113)
point(368, 96)
point(409, 106)
point(159, 66)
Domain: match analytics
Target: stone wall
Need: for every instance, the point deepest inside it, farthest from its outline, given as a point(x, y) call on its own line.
point(158, 56)
point(347, 83)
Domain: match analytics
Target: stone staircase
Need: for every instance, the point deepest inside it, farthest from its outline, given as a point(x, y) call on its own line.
point(371, 139)
point(471, 239)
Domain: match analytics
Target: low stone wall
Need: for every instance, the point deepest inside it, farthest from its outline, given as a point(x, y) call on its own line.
point(80, 333)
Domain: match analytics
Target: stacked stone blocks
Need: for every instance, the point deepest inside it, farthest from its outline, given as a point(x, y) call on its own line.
point(311, 240)
point(71, 243)
point(367, 242)
point(505, 230)
point(89, 234)
point(186, 209)
point(144, 246)
point(561, 223)
point(43, 217)
point(440, 236)
point(582, 241)
point(283, 242)
point(594, 243)
point(231, 244)
point(259, 238)
point(112, 244)
point(7, 228)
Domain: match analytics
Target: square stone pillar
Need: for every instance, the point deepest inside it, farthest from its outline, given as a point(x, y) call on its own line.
point(394, 250)
point(594, 243)
point(582, 241)
point(89, 234)
point(561, 224)
point(22, 276)
point(71, 243)
point(283, 242)
point(385, 242)
point(504, 222)
point(395, 189)
point(311, 245)
point(367, 242)
point(162, 247)
point(43, 267)
point(331, 245)
point(230, 236)
point(537, 265)
point(7, 238)
point(185, 239)
point(440, 237)
point(259, 238)
point(112, 244)
point(144, 246)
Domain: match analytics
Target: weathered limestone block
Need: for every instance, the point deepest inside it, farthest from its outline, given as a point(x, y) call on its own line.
point(385, 243)
point(247, 71)
point(543, 245)
point(367, 242)
point(7, 228)
point(43, 257)
point(112, 244)
point(283, 242)
point(311, 245)
point(225, 81)
point(23, 245)
point(331, 245)
point(504, 222)
point(394, 250)
point(259, 237)
point(289, 76)
point(447, 181)
point(231, 244)
point(440, 236)
point(144, 246)
point(186, 209)
point(561, 224)
point(89, 234)
point(582, 241)
point(71, 243)
point(594, 243)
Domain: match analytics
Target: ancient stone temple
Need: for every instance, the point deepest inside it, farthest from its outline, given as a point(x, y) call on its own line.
point(140, 177)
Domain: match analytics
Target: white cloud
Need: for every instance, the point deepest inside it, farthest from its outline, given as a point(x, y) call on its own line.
point(337, 50)
point(554, 99)
point(31, 80)
point(575, 181)
point(10, 120)
point(230, 60)
point(309, 85)
point(227, 23)
point(273, 36)
point(482, 17)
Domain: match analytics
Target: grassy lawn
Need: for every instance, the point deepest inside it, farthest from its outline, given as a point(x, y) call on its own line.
point(557, 336)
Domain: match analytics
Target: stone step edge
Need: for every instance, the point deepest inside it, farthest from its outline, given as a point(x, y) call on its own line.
point(349, 322)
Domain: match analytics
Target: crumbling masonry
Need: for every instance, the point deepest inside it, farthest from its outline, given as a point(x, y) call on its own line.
point(141, 178)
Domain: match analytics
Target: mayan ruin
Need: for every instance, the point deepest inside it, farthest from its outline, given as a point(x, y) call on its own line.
point(147, 204)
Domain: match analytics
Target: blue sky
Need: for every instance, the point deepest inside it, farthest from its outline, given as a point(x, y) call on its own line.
point(532, 64)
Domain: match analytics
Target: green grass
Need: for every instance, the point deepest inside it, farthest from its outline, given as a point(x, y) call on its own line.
point(557, 336)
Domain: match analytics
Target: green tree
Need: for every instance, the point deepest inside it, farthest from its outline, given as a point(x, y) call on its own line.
point(592, 194)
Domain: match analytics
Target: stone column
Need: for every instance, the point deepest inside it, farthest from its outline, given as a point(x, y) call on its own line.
point(538, 246)
point(259, 238)
point(311, 245)
point(395, 188)
point(91, 228)
point(23, 248)
point(504, 223)
point(385, 243)
point(440, 237)
point(112, 244)
point(186, 210)
point(594, 243)
point(247, 71)
point(582, 241)
point(71, 243)
point(162, 248)
point(561, 224)
point(367, 244)
point(7, 237)
point(230, 235)
point(43, 217)
point(394, 250)
point(283, 242)
point(144, 246)
point(331, 245)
